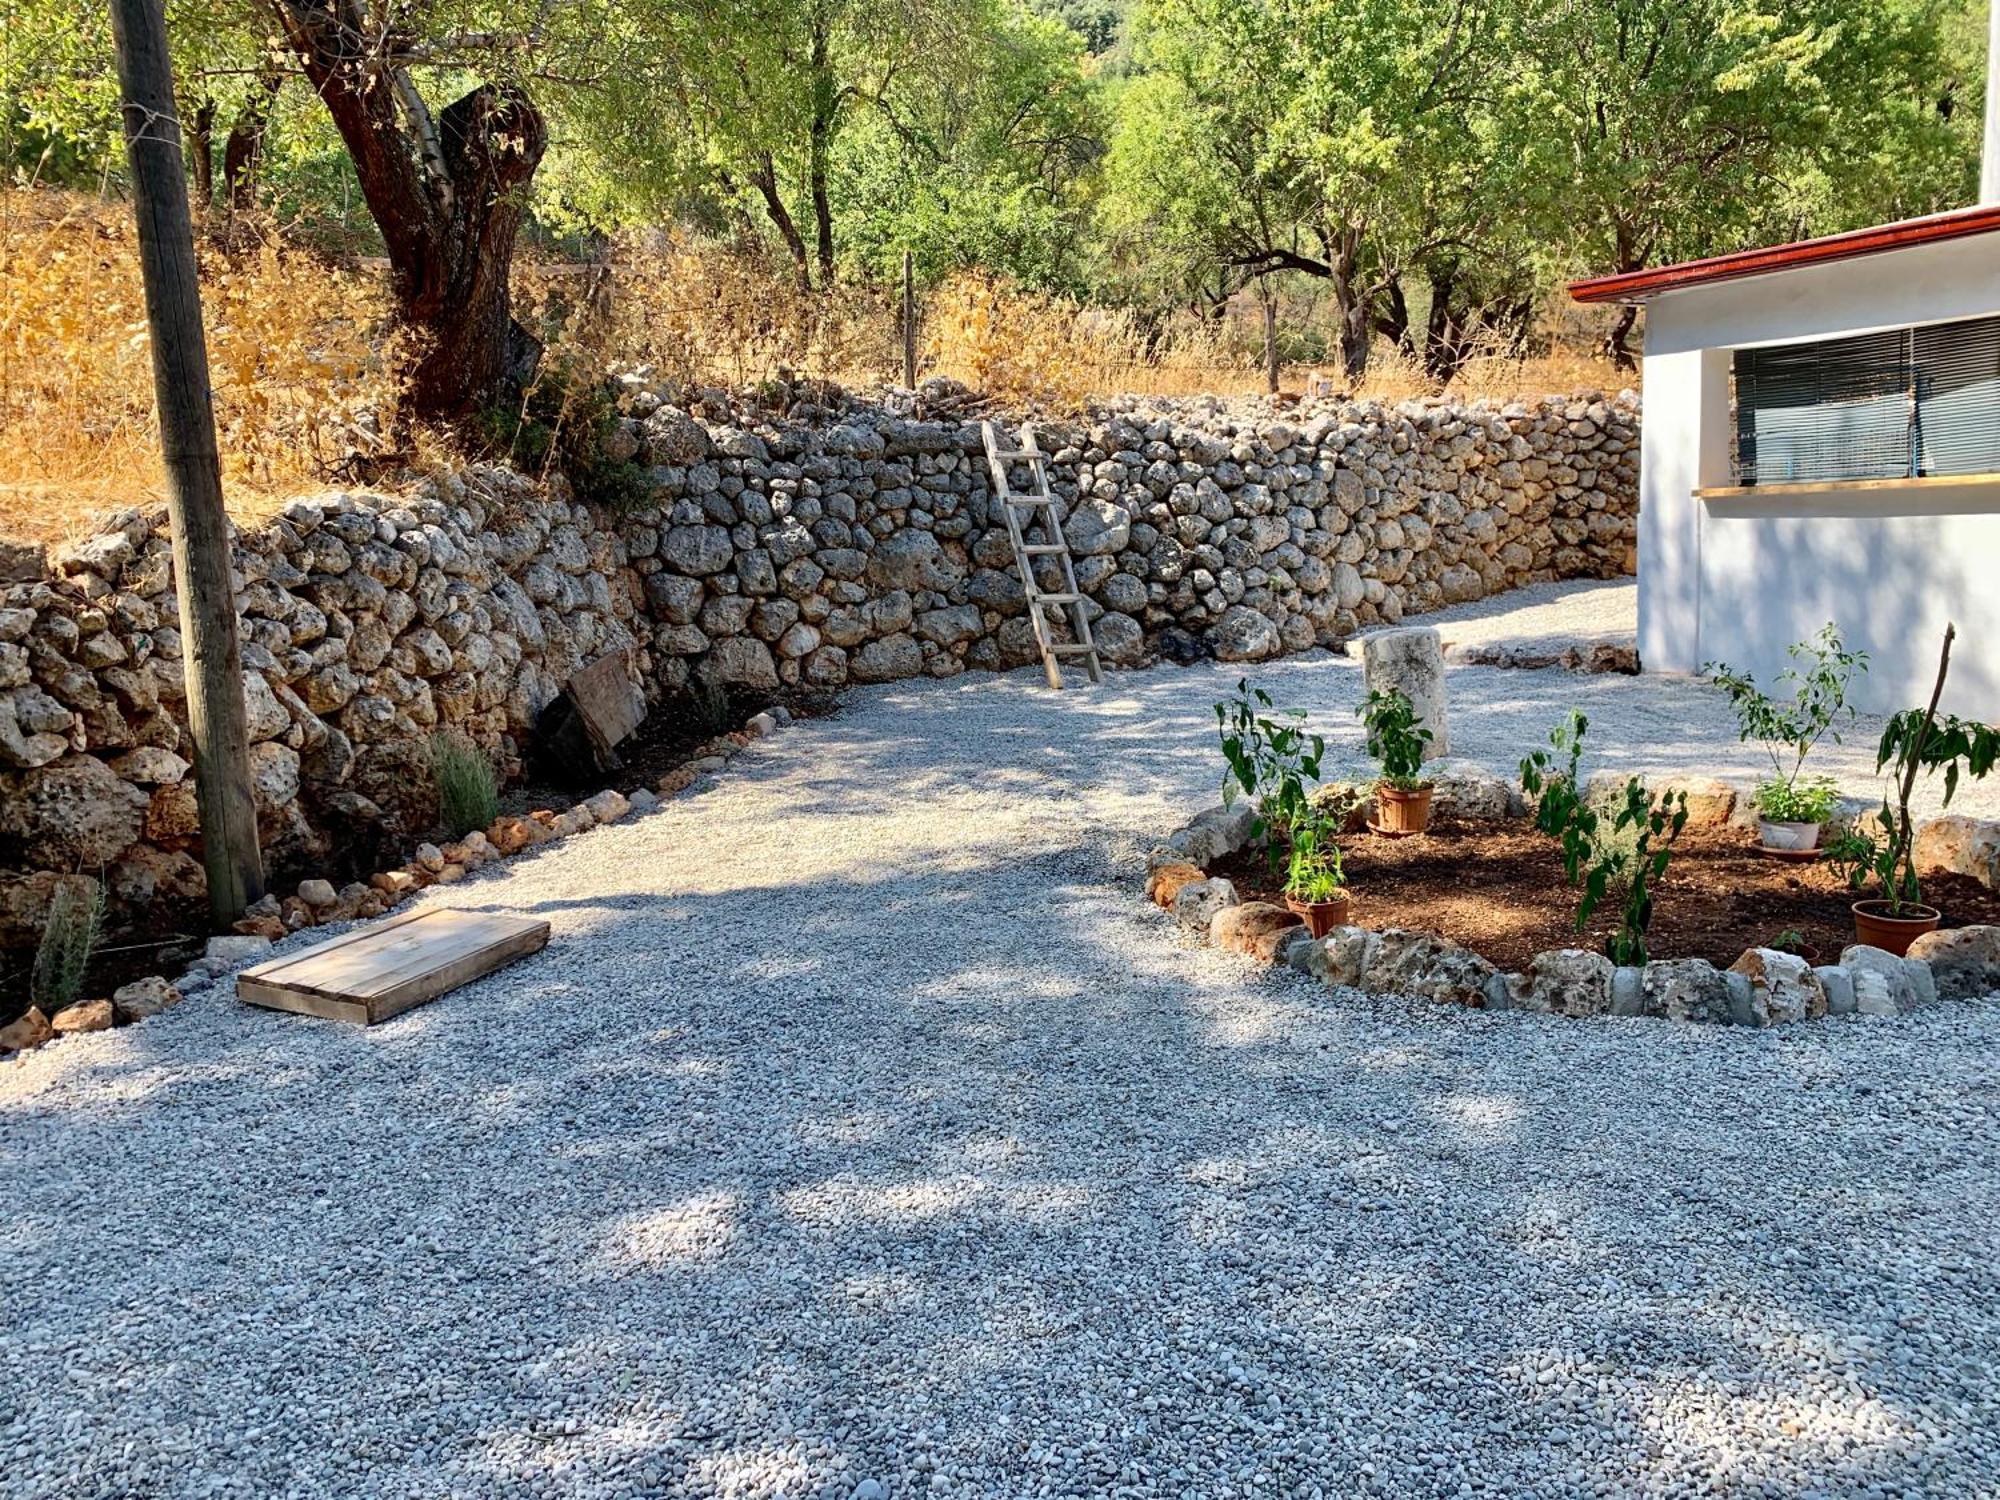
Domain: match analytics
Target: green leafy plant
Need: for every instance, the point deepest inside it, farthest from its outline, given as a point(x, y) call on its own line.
point(69, 937)
point(561, 423)
point(1791, 940)
point(1629, 854)
point(1814, 700)
point(1808, 800)
point(1395, 739)
point(1917, 742)
point(468, 791)
point(1313, 871)
point(1271, 756)
point(707, 708)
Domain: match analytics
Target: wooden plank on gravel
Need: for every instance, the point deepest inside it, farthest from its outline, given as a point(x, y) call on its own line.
point(389, 968)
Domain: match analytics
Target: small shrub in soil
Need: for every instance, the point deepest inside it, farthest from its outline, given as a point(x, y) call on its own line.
point(1271, 755)
point(1628, 856)
point(468, 791)
point(1815, 701)
point(1395, 739)
point(62, 958)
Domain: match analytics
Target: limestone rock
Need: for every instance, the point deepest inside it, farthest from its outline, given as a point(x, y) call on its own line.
point(1464, 792)
point(143, 998)
point(608, 806)
point(1424, 966)
point(1196, 903)
point(1964, 961)
point(85, 1015)
point(1564, 982)
point(1882, 980)
point(1964, 846)
point(1345, 955)
point(1783, 986)
point(1410, 660)
point(30, 1029)
point(1250, 927)
point(76, 813)
point(1245, 635)
point(1686, 989)
point(1165, 882)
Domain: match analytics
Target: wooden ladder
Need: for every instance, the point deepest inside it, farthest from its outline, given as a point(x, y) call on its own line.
point(1040, 509)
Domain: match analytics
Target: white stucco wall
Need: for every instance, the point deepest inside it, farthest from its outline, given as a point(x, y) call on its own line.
point(1737, 580)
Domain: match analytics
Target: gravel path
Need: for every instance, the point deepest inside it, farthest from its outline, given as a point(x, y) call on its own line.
point(862, 1134)
point(1558, 614)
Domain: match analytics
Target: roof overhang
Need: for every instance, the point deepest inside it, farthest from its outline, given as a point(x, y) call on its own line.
point(1643, 286)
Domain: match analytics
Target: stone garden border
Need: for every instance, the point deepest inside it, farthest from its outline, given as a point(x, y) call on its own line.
point(316, 903)
point(1765, 987)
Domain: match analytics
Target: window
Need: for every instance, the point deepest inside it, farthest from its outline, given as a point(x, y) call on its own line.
point(1902, 404)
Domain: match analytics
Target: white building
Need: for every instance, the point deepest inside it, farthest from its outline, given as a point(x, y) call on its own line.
point(1822, 442)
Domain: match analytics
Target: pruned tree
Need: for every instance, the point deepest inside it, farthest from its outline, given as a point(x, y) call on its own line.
point(446, 190)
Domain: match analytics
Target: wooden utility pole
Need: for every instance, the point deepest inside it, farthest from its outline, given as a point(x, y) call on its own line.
point(910, 320)
point(1268, 297)
point(211, 659)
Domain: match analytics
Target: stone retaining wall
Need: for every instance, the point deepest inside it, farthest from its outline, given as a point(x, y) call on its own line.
point(838, 542)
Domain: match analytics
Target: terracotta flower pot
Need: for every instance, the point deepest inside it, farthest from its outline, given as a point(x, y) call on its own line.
point(1402, 812)
point(1321, 917)
point(1874, 926)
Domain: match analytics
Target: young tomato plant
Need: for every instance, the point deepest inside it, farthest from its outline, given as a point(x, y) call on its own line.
point(1630, 855)
point(1314, 871)
point(1916, 741)
point(1394, 738)
point(1814, 701)
point(1271, 756)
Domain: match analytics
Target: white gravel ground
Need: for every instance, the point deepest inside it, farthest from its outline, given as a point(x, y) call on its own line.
point(861, 1133)
point(1557, 614)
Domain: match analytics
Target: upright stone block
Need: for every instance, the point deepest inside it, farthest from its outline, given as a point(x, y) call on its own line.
point(1410, 660)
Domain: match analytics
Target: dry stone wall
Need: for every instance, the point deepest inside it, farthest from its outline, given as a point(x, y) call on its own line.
point(833, 543)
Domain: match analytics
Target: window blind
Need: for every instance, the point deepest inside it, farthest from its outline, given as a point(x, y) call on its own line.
point(1903, 403)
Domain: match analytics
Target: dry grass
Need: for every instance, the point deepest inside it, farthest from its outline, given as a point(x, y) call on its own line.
point(297, 351)
point(294, 354)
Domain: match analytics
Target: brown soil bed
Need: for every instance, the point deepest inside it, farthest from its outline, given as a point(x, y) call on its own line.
point(1502, 894)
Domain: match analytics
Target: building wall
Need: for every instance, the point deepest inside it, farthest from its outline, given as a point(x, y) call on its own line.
point(1737, 580)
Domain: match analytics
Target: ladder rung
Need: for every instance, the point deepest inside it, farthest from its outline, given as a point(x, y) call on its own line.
point(1042, 549)
point(1057, 598)
point(1071, 648)
point(1013, 453)
point(1031, 499)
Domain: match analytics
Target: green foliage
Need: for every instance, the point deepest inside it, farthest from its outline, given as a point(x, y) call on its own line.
point(1313, 869)
point(1798, 800)
point(1394, 738)
point(1789, 729)
point(561, 424)
point(1628, 855)
point(1917, 743)
point(69, 937)
point(707, 708)
point(1271, 756)
point(468, 791)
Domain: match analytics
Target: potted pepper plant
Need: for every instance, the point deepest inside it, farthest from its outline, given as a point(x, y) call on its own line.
point(1793, 808)
point(1397, 741)
point(1315, 885)
point(1916, 741)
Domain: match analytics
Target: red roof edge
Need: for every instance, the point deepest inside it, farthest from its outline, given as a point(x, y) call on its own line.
point(1638, 286)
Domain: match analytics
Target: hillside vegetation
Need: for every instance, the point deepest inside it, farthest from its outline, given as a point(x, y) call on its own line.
point(1162, 196)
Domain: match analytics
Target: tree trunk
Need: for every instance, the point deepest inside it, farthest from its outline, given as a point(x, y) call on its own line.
point(447, 195)
point(243, 151)
point(825, 103)
point(1393, 322)
point(1447, 341)
point(1267, 297)
point(1614, 347)
point(201, 151)
point(1352, 305)
point(211, 656)
point(765, 178)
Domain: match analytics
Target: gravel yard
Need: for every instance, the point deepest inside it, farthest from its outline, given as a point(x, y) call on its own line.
point(862, 1133)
